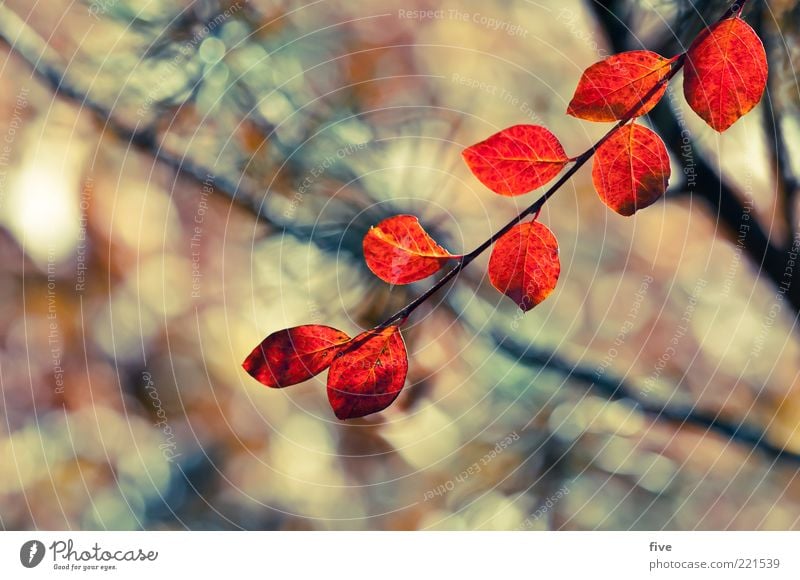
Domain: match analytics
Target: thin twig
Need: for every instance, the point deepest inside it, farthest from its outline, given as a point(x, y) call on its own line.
point(725, 203)
point(734, 9)
point(616, 388)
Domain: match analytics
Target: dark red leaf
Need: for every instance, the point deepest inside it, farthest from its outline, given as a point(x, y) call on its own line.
point(524, 264)
point(631, 170)
point(726, 73)
point(611, 88)
point(516, 160)
point(399, 251)
point(294, 355)
point(368, 374)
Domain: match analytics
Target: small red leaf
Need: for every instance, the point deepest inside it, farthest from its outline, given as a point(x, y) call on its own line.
point(368, 374)
point(726, 73)
point(516, 160)
point(399, 251)
point(524, 264)
point(631, 170)
point(294, 355)
point(610, 89)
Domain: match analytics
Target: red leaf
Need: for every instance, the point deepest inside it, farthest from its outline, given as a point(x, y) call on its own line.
point(524, 264)
point(399, 251)
point(368, 374)
point(516, 160)
point(294, 355)
point(631, 170)
point(726, 73)
point(611, 88)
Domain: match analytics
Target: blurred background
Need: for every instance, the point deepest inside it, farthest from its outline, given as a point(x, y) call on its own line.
point(179, 179)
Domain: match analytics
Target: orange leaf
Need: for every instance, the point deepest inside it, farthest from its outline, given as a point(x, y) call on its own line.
point(399, 251)
point(631, 170)
point(524, 264)
point(726, 73)
point(294, 355)
point(610, 89)
point(516, 160)
point(368, 374)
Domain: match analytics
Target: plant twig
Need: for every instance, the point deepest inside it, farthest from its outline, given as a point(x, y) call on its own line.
point(722, 198)
point(537, 205)
point(734, 9)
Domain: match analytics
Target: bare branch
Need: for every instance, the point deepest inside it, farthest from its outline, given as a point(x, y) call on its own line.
point(46, 65)
point(618, 389)
point(787, 184)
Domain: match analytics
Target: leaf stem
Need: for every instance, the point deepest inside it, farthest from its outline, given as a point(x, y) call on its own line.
point(734, 9)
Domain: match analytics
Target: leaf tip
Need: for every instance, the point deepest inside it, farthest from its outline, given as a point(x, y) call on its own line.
point(571, 109)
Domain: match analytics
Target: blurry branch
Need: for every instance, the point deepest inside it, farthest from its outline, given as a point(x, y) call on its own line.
point(47, 66)
point(787, 184)
point(612, 387)
point(243, 191)
point(618, 389)
point(769, 260)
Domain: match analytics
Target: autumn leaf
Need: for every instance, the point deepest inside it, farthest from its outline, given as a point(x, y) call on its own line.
point(726, 73)
point(399, 251)
point(610, 89)
point(516, 160)
point(294, 355)
point(524, 264)
point(631, 169)
point(368, 374)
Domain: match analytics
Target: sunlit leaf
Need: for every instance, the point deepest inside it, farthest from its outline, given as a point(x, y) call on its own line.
point(516, 160)
point(611, 89)
point(524, 264)
point(294, 355)
point(399, 251)
point(725, 73)
point(631, 169)
point(368, 374)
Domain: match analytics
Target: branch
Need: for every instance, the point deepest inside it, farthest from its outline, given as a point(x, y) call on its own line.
point(44, 62)
point(787, 184)
point(730, 210)
point(618, 389)
point(402, 314)
point(710, 186)
point(537, 205)
point(615, 388)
